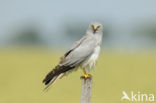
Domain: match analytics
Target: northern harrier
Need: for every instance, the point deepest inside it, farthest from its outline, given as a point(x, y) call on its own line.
point(84, 54)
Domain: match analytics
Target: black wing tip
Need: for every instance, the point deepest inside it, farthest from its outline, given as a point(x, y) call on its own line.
point(43, 81)
point(48, 77)
point(46, 81)
point(58, 70)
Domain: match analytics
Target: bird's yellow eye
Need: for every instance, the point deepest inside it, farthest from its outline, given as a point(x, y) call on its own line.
point(92, 26)
point(98, 26)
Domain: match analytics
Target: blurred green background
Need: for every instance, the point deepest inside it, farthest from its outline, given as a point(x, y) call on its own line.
point(34, 34)
point(22, 72)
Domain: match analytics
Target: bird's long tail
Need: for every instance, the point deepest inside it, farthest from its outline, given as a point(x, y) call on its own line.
point(55, 74)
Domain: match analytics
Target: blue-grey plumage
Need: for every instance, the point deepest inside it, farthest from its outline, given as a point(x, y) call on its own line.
point(84, 53)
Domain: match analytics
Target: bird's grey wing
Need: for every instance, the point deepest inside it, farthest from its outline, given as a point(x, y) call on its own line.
point(80, 52)
point(75, 45)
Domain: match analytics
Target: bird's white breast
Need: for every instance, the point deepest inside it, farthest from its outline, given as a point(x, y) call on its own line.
point(90, 62)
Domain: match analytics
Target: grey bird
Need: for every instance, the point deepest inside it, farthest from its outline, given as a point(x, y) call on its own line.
point(84, 54)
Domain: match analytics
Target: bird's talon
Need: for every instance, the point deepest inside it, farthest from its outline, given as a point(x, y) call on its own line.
point(86, 76)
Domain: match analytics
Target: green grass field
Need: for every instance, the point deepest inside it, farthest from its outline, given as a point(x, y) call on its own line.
point(22, 72)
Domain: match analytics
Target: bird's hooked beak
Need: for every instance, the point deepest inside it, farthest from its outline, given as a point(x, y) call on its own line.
point(94, 27)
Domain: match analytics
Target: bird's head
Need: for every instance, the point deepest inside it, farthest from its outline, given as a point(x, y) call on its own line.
point(96, 27)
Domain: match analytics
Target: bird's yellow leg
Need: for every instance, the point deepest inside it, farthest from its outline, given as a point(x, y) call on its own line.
point(85, 74)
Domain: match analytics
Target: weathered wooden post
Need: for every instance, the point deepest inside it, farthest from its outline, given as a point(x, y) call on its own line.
point(86, 90)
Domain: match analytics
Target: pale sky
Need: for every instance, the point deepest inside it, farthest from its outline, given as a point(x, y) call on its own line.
point(51, 14)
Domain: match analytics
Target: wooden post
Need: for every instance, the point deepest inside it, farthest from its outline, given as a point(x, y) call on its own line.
point(86, 90)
